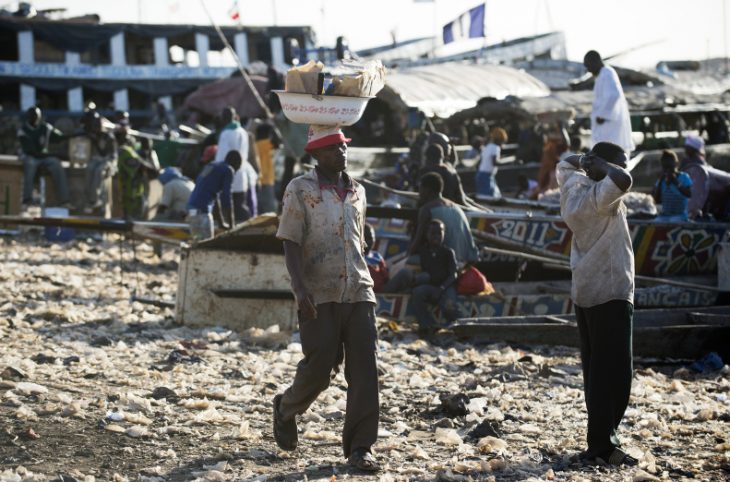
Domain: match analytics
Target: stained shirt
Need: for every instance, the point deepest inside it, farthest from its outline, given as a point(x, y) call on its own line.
point(331, 235)
point(601, 255)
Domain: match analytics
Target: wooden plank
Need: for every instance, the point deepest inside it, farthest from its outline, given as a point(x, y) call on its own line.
point(254, 294)
point(680, 341)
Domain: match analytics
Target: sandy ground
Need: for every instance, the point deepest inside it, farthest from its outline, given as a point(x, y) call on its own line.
point(93, 387)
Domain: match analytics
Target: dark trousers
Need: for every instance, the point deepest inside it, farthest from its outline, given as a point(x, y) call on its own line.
point(606, 355)
point(339, 325)
point(31, 165)
point(241, 212)
point(423, 297)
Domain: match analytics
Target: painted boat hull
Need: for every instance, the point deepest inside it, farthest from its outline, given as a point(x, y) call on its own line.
point(660, 249)
point(503, 303)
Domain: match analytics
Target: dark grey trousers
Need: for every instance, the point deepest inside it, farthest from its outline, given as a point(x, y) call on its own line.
point(606, 354)
point(339, 325)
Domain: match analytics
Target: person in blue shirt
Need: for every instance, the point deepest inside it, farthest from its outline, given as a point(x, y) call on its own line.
point(213, 184)
point(672, 190)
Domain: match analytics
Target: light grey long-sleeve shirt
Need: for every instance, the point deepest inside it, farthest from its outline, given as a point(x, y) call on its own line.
point(601, 255)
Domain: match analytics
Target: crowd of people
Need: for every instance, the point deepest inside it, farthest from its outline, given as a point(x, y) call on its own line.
point(330, 249)
point(132, 162)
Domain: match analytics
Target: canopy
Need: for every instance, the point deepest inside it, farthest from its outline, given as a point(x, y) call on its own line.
point(567, 104)
point(444, 89)
point(213, 97)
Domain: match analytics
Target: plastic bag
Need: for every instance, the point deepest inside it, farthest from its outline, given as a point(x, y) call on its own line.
point(473, 282)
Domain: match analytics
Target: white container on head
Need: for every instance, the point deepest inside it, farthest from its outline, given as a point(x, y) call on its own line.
point(328, 110)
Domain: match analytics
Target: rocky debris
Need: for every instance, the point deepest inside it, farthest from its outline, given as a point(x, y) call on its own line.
point(131, 395)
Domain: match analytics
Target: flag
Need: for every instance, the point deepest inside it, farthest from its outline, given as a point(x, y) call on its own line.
point(234, 12)
point(469, 25)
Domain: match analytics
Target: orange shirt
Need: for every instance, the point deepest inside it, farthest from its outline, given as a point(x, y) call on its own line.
point(266, 159)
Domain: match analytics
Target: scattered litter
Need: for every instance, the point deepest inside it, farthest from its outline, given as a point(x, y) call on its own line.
point(145, 398)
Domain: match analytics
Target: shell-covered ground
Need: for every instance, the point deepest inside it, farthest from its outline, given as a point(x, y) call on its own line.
point(96, 387)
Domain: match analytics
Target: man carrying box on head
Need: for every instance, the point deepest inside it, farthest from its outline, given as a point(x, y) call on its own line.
point(322, 227)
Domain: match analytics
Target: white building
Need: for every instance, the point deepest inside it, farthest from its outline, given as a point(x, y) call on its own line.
point(63, 65)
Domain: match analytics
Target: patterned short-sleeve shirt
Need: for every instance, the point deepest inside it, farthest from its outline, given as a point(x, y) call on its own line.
point(330, 233)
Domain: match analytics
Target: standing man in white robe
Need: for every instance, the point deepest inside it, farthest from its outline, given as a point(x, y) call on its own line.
point(610, 120)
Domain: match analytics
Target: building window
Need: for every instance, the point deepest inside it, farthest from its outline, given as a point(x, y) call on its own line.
point(48, 53)
point(103, 99)
point(99, 55)
point(51, 100)
point(259, 48)
point(9, 45)
point(139, 49)
point(10, 97)
point(139, 101)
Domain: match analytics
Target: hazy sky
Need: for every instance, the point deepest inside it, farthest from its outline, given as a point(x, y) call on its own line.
point(677, 29)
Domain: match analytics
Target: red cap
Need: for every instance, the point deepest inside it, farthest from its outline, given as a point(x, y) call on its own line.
point(323, 136)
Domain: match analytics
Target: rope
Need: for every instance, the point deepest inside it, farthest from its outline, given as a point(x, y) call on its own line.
point(247, 78)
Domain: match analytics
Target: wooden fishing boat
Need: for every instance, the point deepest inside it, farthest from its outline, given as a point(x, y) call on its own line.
point(154, 230)
point(675, 333)
point(660, 249)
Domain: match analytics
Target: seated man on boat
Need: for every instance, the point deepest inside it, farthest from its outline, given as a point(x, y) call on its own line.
point(453, 189)
point(450, 155)
point(672, 190)
point(213, 184)
point(710, 187)
point(435, 284)
point(433, 206)
point(602, 261)
point(34, 137)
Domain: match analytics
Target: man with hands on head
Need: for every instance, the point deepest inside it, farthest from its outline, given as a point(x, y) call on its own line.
point(322, 228)
point(602, 262)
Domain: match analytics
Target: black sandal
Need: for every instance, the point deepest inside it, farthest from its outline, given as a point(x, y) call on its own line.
point(618, 457)
point(362, 459)
point(285, 431)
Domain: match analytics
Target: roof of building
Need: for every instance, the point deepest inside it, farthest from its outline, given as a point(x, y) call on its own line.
point(75, 36)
